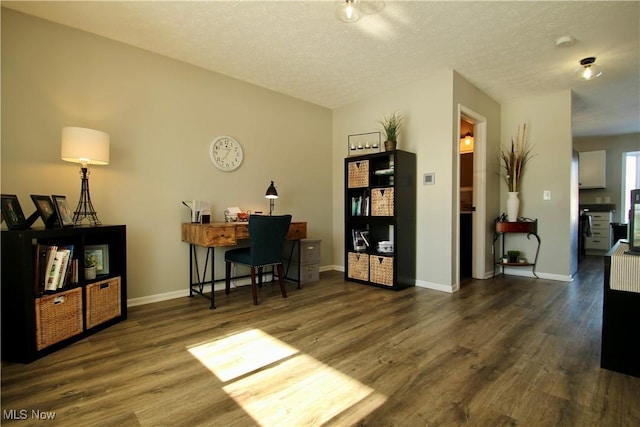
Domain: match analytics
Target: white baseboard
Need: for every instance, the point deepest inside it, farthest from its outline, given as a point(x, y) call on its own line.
point(435, 286)
point(527, 273)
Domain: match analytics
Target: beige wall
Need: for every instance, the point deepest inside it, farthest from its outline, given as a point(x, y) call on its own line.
point(615, 146)
point(161, 115)
point(431, 131)
point(548, 119)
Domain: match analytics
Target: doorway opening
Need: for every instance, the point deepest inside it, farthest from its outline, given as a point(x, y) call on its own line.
point(471, 197)
point(465, 236)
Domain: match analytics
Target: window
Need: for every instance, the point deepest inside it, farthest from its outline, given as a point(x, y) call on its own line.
point(630, 180)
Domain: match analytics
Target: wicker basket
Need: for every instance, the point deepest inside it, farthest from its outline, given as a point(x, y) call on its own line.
point(382, 201)
point(103, 301)
point(381, 270)
point(358, 266)
point(358, 174)
point(58, 317)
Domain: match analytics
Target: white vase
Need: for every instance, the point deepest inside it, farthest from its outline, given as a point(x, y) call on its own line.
point(513, 206)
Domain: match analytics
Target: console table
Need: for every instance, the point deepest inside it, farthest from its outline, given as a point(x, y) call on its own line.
point(218, 234)
point(503, 228)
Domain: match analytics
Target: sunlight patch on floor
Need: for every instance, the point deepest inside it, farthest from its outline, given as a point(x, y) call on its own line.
point(241, 353)
point(277, 385)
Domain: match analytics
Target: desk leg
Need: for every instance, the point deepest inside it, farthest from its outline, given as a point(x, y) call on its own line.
point(286, 271)
point(201, 280)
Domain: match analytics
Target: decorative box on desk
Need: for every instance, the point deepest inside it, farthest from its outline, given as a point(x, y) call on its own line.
point(36, 322)
point(502, 228)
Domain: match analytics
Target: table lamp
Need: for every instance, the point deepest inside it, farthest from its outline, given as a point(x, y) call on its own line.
point(87, 147)
point(271, 194)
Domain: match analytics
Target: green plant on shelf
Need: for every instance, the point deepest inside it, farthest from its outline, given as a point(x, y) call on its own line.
point(513, 256)
point(91, 261)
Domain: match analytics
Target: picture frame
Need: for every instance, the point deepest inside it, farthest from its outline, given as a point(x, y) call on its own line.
point(101, 254)
point(65, 218)
point(46, 209)
point(12, 213)
point(363, 143)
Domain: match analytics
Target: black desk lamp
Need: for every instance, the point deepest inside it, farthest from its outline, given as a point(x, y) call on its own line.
point(271, 194)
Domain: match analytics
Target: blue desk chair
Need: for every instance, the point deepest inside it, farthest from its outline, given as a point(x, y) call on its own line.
point(267, 235)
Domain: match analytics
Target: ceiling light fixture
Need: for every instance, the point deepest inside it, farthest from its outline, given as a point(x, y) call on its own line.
point(466, 143)
point(348, 11)
point(565, 41)
point(588, 69)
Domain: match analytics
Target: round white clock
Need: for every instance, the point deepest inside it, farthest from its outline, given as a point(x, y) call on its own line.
point(225, 153)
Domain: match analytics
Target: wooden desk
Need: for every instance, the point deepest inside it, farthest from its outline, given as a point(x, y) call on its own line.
point(217, 234)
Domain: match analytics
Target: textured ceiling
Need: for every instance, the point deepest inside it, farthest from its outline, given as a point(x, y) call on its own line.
point(299, 48)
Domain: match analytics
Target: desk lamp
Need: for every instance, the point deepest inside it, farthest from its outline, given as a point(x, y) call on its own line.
point(87, 147)
point(271, 194)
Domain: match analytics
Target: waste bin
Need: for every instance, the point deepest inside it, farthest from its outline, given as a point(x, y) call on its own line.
point(618, 231)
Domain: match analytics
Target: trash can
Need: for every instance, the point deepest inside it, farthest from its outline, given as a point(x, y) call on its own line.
point(618, 231)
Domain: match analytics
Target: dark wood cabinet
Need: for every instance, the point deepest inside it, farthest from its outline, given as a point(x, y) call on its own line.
point(380, 219)
point(36, 323)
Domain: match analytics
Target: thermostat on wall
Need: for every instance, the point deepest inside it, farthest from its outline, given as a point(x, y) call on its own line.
point(429, 178)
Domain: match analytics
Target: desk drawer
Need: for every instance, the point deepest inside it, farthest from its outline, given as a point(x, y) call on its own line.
point(209, 235)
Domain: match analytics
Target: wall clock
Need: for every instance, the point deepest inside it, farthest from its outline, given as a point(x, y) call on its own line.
point(225, 153)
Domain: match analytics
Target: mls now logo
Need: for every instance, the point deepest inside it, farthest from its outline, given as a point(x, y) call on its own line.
point(23, 414)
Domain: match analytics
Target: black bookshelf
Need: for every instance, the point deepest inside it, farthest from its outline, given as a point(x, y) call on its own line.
point(22, 297)
point(380, 206)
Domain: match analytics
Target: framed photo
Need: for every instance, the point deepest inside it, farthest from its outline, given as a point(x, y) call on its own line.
point(12, 213)
point(62, 210)
point(98, 255)
point(363, 143)
point(47, 211)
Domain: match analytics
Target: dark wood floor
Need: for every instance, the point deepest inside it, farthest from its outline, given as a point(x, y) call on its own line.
point(505, 351)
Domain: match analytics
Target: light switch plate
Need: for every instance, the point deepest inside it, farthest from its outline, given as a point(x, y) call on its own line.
point(546, 195)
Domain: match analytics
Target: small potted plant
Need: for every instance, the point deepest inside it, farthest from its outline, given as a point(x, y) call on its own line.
point(90, 267)
point(513, 256)
point(391, 126)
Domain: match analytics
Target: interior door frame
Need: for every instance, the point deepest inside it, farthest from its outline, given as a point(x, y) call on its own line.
point(479, 215)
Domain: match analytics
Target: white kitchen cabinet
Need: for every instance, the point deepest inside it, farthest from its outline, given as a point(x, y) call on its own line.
point(593, 169)
point(600, 239)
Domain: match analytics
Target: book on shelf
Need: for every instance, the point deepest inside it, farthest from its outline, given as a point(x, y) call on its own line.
point(360, 205)
point(360, 240)
point(53, 267)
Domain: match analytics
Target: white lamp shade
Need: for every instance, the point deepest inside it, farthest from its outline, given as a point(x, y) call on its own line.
point(86, 146)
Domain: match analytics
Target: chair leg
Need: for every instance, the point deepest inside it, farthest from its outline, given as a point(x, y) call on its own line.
point(283, 290)
point(254, 289)
point(227, 279)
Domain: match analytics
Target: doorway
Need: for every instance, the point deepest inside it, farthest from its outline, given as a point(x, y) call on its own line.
point(465, 237)
point(471, 195)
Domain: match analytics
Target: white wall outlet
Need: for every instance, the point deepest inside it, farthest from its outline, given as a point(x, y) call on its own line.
point(607, 199)
point(546, 195)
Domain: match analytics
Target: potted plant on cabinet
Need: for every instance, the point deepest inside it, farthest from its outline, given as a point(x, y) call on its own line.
point(391, 126)
point(513, 256)
point(90, 267)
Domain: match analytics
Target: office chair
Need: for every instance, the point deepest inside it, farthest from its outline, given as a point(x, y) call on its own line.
point(267, 235)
